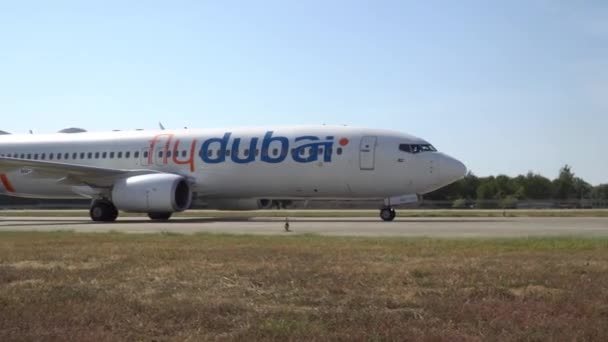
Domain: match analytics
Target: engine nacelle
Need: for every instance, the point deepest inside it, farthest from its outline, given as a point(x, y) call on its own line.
point(240, 204)
point(160, 192)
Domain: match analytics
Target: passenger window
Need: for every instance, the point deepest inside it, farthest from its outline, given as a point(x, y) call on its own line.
point(22, 156)
point(51, 156)
point(339, 150)
point(35, 156)
point(209, 153)
point(119, 156)
point(58, 156)
point(74, 155)
point(168, 154)
point(104, 155)
point(227, 153)
point(257, 152)
point(43, 156)
point(246, 152)
point(29, 156)
point(160, 154)
point(111, 155)
point(136, 154)
point(184, 153)
point(81, 155)
point(321, 150)
point(127, 154)
point(96, 155)
point(66, 156)
point(90, 155)
point(275, 151)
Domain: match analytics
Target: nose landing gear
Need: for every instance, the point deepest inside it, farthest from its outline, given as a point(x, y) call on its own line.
point(388, 213)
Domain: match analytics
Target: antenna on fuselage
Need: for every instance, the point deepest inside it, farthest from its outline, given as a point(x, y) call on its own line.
point(162, 128)
point(31, 132)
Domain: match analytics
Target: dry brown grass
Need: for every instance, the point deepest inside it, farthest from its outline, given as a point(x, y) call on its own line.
point(107, 287)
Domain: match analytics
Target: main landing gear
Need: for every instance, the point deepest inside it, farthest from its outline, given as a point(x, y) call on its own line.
point(388, 213)
point(103, 211)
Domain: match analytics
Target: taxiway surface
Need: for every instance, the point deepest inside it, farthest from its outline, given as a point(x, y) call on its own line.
point(431, 227)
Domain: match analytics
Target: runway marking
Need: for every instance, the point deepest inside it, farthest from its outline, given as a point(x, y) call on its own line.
point(7, 184)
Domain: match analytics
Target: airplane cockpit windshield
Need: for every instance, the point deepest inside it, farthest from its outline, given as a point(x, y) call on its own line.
point(417, 148)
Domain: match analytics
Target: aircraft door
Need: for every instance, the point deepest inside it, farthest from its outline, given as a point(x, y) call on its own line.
point(367, 151)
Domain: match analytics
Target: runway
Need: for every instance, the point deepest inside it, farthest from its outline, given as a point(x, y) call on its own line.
point(412, 227)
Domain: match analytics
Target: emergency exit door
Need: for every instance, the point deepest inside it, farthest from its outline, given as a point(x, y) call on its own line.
point(367, 151)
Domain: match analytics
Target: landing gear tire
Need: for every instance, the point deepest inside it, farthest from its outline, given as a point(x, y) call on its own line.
point(160, 216)
point(103, 211)
point(387, 214)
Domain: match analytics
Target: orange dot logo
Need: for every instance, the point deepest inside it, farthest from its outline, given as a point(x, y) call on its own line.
point(344, 141)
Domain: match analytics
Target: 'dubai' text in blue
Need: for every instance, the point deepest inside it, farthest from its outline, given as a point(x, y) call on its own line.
point(269, 149)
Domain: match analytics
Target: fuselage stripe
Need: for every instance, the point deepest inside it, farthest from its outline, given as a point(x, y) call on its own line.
point(7, 185)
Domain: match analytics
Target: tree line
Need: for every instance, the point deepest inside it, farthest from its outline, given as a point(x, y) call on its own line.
point(505, 192)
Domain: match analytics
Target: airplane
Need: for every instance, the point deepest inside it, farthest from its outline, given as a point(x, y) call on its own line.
point(163, 172)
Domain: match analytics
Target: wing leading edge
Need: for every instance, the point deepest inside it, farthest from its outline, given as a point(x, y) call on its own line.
point(69, 174)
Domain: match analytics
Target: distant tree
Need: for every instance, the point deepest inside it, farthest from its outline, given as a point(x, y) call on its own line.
point(469, 186)
point(564, 184)
point(505, 186)
point(486, 193)
point(537, 187)
point(600, 192)
point(582, 189)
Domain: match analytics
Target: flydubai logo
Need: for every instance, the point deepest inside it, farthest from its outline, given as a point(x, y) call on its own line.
point(269, 149)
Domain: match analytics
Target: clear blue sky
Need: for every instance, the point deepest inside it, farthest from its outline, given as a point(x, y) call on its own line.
point(505, 86)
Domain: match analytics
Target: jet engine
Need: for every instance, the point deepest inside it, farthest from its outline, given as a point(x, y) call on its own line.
point(161, 192)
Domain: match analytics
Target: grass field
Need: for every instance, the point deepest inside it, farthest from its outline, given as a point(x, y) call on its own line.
point(339, 213)
point(108, 287)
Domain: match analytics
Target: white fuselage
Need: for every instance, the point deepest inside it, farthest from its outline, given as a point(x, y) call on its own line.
point(331, 162)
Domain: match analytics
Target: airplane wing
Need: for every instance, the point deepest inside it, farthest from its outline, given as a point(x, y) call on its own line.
point(68, 173)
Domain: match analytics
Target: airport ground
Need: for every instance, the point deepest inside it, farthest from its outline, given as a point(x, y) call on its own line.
point(209, 278)
point(335, 213)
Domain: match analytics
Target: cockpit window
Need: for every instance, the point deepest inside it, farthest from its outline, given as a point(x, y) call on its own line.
point(416, 148)
point(405, 148)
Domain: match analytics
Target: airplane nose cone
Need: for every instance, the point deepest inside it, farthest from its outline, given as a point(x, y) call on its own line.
point(452, 169)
